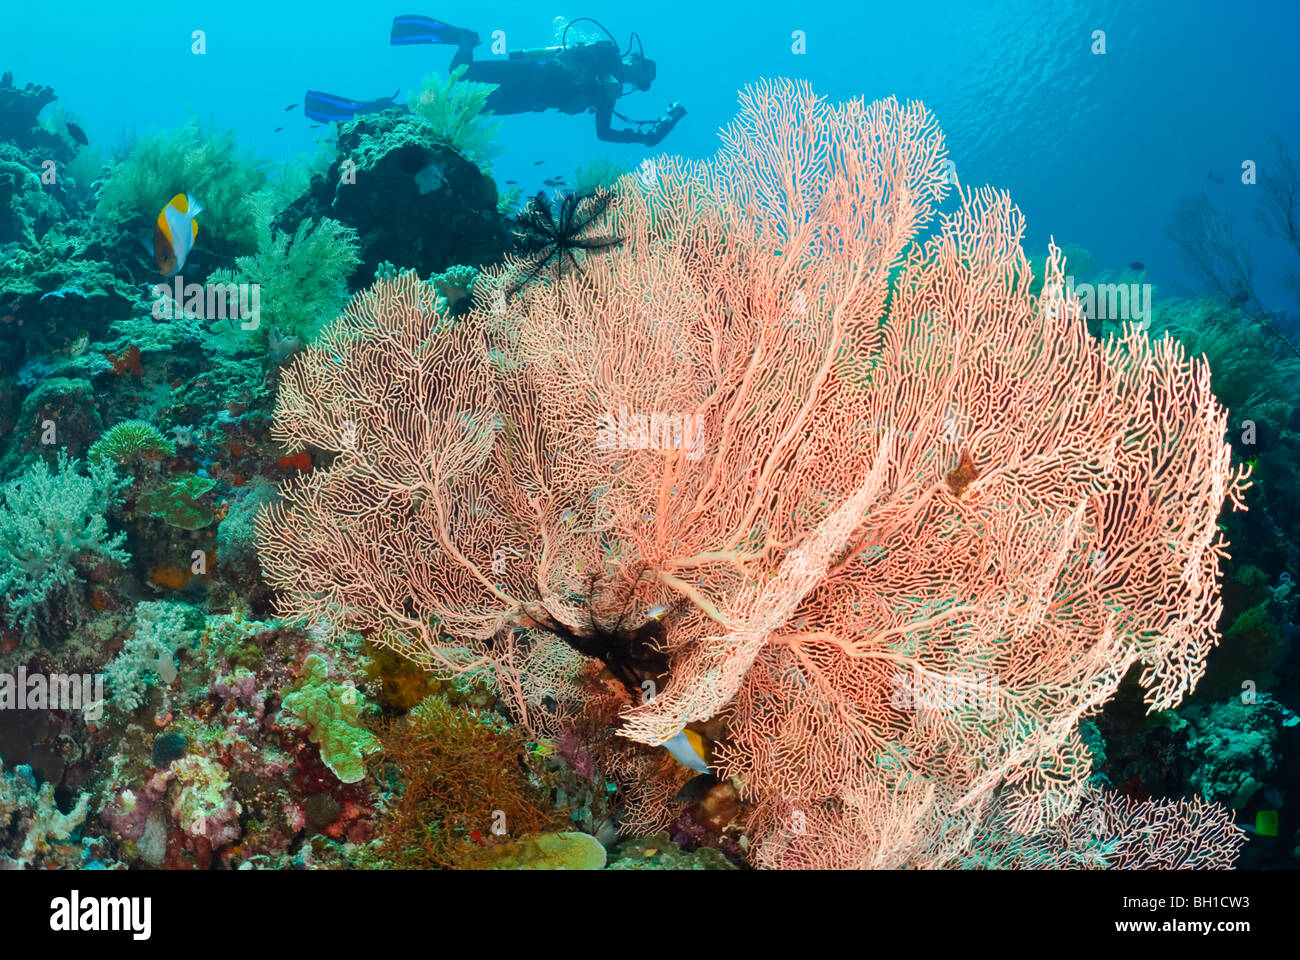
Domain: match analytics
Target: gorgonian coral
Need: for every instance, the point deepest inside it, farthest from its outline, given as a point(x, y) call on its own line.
point(789, 465)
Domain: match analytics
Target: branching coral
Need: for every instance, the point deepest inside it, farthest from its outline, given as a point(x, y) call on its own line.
point(148, 656)
point(1209, 247)
point(1279, 211)
point(1206, 239)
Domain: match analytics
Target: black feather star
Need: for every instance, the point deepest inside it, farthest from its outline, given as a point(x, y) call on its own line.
point(548, 238)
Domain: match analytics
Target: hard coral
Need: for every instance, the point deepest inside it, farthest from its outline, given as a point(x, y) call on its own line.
point(39, 824)
point(130, 442)
point(397, 218)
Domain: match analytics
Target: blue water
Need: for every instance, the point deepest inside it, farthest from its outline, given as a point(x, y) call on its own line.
point(1096, 150)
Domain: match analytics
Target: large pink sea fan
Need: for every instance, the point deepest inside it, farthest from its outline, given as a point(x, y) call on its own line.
point(795, 454)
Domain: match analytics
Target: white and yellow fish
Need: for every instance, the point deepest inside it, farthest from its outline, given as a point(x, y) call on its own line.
point(174, 233)
point(688, 749)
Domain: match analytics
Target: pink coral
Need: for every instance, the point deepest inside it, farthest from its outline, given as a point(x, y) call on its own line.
point(898, 519)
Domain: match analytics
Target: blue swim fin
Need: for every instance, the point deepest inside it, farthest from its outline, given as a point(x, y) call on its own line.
point(413, 28)
point(327, 108)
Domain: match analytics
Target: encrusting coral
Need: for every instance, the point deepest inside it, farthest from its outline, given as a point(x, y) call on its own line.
point(331, 713)
point(41, 824)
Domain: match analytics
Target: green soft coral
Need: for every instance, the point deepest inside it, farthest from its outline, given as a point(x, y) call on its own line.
point(331, 713)
point(456, 111)
point(303, 276)
point(1253, 375)
point(191, 159)
point(51, 523)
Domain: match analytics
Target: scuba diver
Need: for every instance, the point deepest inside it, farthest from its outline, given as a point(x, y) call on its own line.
point(571, 78)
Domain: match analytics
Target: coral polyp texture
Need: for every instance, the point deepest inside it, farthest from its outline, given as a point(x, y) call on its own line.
point(802, 460)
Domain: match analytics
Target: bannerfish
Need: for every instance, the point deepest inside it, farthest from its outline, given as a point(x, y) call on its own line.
point(76, 133)
point(688, 749)
point(174, 233)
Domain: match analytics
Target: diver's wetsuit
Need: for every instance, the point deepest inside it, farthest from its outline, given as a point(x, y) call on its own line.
point(571, 79)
